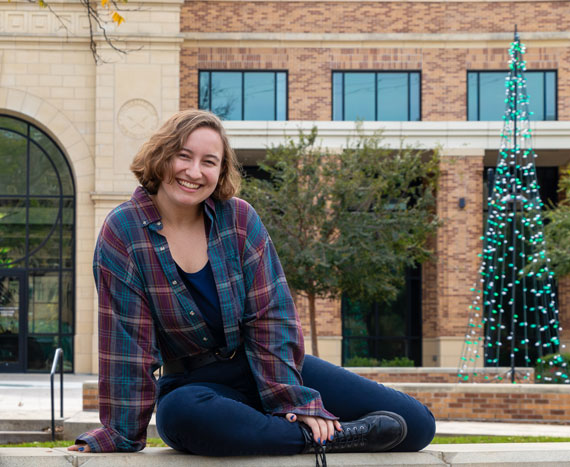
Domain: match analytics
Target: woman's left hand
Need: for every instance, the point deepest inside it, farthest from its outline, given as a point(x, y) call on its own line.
point(323, 429)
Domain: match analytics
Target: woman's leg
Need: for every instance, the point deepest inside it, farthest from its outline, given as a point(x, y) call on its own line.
point(214, 420)
point(350, 396)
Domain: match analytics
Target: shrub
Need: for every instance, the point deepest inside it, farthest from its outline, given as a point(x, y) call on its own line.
point(397, 361)
point(552, 369)
point(362, 361)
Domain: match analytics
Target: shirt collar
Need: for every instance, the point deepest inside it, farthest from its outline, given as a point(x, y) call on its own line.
point(148, 212)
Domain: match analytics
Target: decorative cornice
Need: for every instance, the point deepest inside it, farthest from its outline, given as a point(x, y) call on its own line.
point(470, 138)
point(294, 39)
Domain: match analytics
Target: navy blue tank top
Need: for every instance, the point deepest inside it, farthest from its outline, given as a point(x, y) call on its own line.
point(202, 287)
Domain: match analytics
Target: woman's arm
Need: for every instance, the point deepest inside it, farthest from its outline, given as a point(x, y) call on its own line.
point(272, 331)
point(127, 350)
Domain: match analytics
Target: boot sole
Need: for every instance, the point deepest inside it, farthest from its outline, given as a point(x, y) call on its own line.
point(402, 423)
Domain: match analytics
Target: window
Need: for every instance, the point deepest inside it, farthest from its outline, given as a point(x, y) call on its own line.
point(486, 94)
point(385, 331)
point(380, 96)
point(37, 244)
point(244, 95)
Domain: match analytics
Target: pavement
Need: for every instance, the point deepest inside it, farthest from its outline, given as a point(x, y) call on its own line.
point(27, 396)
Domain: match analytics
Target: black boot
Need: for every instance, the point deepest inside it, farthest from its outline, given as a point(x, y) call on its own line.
point(375, 432)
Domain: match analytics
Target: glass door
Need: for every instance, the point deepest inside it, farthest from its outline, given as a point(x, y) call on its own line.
point(12, 322)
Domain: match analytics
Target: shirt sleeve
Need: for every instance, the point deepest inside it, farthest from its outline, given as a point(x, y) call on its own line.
point(272, 330)
point(127, 350)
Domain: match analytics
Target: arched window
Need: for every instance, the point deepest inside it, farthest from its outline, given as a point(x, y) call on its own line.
point(37, 245)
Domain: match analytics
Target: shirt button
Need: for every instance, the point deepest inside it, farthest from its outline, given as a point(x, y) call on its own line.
point(162, 248)
point(159, 223)
point(205, 339)
point(192, 313)
point(145, 222)
point(174, 282)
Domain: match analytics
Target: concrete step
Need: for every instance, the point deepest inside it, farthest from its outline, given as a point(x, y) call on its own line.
point(448, 455)
point(13, 437)
point(28, 424)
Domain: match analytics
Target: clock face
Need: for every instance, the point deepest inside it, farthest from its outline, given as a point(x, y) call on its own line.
point(137, 118)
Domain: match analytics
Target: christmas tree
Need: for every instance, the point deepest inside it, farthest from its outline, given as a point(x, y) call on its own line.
point(513, 318)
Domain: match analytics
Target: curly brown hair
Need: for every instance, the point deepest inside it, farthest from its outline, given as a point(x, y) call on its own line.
point(152, 163)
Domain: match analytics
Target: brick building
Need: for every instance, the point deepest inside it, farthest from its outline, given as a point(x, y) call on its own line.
point(426, 71)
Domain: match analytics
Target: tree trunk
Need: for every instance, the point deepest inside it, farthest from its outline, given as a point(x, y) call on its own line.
point(313, 325)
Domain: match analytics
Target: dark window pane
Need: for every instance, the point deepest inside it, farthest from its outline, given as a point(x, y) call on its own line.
point(415, 97)
point(44, 225)
point(67, 233)
point(44, 179)
point(43, 303)
point(57, 159)
point(359, 96)
point(205, 90)
point(550, 91)
point(12, 231)
point(67, 303)
point(13, 162)
point(472, 96)
point(226, 98)
point(9, 319)
point(40, 352)
point(338, 97)
point(281, 96)
point(393, 96)
point(259, 96)
point(10, 123)
point(535, 92)
point(66, 344)
point(492, 96)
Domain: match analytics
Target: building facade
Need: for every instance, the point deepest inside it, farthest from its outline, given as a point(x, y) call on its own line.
point(424, 71)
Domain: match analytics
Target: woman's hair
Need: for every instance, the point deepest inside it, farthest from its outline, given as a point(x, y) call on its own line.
point(151, 165)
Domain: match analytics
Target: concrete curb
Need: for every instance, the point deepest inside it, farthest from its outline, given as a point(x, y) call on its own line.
point(464, 455)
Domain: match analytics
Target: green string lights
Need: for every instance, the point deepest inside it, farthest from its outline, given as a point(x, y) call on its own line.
point(513, 318)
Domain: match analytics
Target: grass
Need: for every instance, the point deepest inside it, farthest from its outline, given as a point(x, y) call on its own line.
point(158, 443)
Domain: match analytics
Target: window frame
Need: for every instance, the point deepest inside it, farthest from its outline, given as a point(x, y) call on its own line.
point(242, 72)
point(376, 73)
point(506, 73)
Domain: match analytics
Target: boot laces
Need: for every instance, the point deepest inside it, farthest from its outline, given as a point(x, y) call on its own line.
point(320, 455)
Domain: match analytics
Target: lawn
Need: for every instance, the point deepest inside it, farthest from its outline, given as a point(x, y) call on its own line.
point(156, 442)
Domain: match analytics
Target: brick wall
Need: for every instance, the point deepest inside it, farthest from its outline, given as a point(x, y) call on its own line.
point(448, 278)
point(364, 17)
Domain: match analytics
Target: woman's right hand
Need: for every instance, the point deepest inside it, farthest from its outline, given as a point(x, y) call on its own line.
point(81, 447)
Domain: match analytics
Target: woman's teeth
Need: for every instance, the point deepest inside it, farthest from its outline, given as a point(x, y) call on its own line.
point(188, 184)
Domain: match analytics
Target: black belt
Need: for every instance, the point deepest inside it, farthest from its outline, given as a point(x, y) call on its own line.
point(196, 361)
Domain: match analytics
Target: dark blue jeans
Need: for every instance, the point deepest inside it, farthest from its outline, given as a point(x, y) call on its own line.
point(216, 411)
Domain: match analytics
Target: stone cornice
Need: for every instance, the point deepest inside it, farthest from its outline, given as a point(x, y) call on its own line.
point(470, 138)
point(446, 40)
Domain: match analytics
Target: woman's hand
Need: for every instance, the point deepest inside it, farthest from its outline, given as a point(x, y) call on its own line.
point(323, 429)
point(81, 447)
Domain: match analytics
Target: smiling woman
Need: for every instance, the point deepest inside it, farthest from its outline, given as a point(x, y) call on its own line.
point(188, 277)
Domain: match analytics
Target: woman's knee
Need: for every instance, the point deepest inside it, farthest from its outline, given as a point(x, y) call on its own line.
point(181, 415)
point(421, 430)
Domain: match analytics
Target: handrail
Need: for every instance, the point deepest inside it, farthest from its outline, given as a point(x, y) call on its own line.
point(56, 357)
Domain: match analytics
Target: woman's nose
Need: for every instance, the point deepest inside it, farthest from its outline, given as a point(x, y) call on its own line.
point(193, 170)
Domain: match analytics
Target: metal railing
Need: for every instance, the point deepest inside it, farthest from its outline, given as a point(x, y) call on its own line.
point(56, 358)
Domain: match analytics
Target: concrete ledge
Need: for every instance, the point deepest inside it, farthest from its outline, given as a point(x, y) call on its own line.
point(472, 455)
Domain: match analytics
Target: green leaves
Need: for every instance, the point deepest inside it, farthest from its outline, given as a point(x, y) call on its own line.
point(349, 221)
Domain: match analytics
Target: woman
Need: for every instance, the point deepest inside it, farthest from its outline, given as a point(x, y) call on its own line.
point(187, 277)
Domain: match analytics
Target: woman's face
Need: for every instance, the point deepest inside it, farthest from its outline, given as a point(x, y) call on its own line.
point(195, 170)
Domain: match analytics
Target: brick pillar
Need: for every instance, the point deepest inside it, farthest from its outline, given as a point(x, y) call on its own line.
point(449, 276)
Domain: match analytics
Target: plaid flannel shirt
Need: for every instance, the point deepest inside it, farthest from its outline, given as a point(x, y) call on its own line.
point(147, 316)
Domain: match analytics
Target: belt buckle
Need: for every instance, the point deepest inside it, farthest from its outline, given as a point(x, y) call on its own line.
point(221, 357)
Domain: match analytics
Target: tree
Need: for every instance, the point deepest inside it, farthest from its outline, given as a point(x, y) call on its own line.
point(557, 230)
point(346, 223)
point(98, 21)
